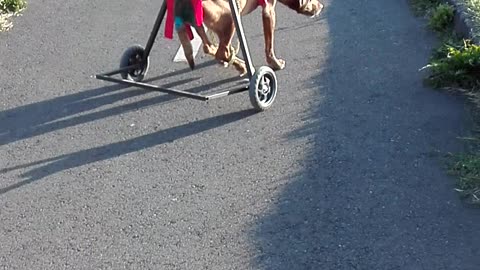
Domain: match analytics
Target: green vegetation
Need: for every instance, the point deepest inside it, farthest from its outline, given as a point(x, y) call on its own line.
point(441, 18)
point(8, 8)
point(455, 65)
point(467, 169)
point(12, 5)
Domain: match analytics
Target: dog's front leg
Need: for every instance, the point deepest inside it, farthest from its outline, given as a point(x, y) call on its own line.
point(269, 17)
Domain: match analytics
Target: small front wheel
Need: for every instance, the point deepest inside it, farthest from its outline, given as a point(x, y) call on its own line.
point(263, 88)
point(133, 56)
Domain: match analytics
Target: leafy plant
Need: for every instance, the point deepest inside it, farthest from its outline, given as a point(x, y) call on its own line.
point(441, 18)
point(456, 67)
point(12, 5)
point(8, 9)
point(467, 168)
point(449, 41)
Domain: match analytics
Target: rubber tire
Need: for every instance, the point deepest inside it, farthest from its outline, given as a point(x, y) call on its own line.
point(255, 83)
point(125, 62)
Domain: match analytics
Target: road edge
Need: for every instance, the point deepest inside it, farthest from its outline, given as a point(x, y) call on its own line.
point(462, 24)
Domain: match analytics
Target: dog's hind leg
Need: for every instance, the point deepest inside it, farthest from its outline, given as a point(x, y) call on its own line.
point(224, 52)
point(218, 18)
point(226, 55)
point(187, 45)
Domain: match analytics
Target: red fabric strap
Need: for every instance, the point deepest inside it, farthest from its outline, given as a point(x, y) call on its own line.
point(262, 3)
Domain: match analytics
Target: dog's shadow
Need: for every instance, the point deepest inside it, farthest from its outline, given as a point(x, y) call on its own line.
point(43, 117)
point(64, 162)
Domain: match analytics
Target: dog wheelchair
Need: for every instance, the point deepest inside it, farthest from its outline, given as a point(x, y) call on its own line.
point(134, 64)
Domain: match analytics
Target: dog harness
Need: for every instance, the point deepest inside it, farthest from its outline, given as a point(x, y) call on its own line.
point(187, 18)
point(262, 3)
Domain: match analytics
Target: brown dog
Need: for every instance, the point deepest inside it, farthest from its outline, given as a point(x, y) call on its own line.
point(218, 18)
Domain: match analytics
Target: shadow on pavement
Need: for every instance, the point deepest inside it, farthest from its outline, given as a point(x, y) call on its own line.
point(39, 118)
point(372, 193)
point(64, 162)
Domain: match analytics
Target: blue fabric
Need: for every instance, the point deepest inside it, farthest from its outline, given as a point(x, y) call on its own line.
point(178, 22)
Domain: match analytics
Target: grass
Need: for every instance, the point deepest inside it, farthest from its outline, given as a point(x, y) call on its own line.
point(455, 65)
point(467, 169)
point(8, 9)
point(441, 18)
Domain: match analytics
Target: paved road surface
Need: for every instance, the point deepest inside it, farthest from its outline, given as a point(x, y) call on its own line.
point(345, 172)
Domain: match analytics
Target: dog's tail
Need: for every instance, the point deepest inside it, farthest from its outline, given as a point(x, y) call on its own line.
point(187, 46)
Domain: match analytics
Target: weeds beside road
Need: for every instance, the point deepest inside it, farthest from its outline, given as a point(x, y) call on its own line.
point(455, 66)
point(8, 9)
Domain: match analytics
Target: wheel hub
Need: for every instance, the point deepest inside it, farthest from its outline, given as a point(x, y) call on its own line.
point(265, 86)
point(133, 58)
point(136, 60)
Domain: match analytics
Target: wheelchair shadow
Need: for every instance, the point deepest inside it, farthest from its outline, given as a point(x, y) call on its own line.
point(43, 117)
point(64, 162)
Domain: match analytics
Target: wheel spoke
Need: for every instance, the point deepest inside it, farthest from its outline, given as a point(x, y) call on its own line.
point(269, 95)
point(264, 91)
point(266, 81)
point(264, 87)
point(261, 96)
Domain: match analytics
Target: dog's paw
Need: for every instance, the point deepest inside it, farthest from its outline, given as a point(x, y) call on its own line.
point(276, 64)
point(241, 68)
point(210, 49)
point(242, 74)
point(191, 63)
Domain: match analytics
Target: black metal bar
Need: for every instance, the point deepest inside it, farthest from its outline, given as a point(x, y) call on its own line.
point(153, 87)
point(120, 70)
point(148, 47)
point(227, 93)
point(241, 36)
point(156, 28)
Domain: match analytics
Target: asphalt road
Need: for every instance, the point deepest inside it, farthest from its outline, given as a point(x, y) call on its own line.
point(346, 171)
